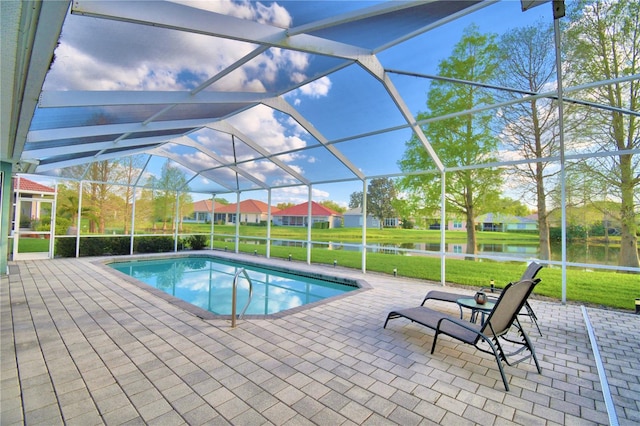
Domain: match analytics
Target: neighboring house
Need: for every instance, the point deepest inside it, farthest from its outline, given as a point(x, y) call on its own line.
point(251, 211)
point(298, 215)
point(504, 223)
point(353, 219)
point(202, 211)
point(36, 200)
point(452, 225)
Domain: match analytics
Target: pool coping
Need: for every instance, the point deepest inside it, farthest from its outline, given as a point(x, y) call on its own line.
point(291, 267)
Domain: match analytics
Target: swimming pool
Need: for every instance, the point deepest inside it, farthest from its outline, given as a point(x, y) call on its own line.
point(206, 282)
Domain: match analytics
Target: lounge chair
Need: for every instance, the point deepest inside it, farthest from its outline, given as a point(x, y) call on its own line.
point(529, 274)
point(503, 316)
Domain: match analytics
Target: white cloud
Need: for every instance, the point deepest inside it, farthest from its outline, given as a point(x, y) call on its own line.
point(317, 88)
point(97, 54)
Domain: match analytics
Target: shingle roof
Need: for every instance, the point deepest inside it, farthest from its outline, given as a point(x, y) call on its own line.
point(31, 186)
point(303, 210)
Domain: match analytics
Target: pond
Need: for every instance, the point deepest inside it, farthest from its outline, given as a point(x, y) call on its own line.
point(579, 252)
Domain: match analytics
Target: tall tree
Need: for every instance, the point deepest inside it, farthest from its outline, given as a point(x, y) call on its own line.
point(460, 142)
point(132, 167)
point(528, 128)
point(355, 200)
point(172, 180)
point(381, 194)
point(603, 43)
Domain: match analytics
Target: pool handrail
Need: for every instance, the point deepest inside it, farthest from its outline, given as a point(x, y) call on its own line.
point(234, 293)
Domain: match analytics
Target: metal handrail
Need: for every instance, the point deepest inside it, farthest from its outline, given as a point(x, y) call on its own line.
point(233, 296)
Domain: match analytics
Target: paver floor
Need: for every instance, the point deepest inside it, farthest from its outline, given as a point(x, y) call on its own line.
point(80, 345)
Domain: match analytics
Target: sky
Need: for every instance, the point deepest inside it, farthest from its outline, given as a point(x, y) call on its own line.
point(93, 56)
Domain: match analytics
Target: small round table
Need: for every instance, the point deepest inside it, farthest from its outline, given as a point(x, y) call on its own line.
point(470, 303)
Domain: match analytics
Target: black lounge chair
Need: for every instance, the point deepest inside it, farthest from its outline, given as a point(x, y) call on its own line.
point(529, 274)
point(503, 316)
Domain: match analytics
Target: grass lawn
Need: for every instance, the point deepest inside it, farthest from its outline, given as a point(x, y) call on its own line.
point(32, 245)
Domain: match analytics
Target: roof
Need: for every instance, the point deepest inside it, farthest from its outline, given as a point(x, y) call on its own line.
point(303, 210)
point(205, 206)
point(237, 95)
point(355, 212)
point(240, 96)
point(247, 207)
point(28, 185)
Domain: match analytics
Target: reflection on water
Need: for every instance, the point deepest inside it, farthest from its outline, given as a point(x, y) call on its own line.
point(208, 284)
point(579, 252)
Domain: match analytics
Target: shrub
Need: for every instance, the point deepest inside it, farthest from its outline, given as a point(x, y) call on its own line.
point(92, 246)
point(197, 242)
point(153, 244)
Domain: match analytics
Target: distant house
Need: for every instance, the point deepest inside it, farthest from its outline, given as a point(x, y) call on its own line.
point(251, 211)
point(452, 225)
point(298, 215)
point(34, 199)
point(202, 211)
point(504, 223)
point(353, 219)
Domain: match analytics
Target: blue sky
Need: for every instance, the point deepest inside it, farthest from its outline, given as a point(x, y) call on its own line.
point(92, 56)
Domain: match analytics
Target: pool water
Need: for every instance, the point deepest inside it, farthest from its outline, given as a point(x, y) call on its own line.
point(207, 283)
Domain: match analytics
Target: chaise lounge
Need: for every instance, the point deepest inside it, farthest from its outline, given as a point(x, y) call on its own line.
point(497, 325)
point(529, 274)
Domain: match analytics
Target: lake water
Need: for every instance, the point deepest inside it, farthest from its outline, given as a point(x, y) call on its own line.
point(600, 254)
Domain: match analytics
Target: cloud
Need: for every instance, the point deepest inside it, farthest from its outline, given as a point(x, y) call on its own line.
point(99, 54)
point(317, 88)
point(297, 195)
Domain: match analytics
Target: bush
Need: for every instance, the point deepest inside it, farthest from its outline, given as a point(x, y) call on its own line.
point(197, 242)
point(92, 246)
point(574, 232)
point(153, 244)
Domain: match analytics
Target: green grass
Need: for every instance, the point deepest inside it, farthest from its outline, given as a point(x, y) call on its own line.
point(33, 245)
point(600, 288)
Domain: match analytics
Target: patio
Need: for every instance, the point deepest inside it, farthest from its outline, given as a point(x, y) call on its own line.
point(83, 346)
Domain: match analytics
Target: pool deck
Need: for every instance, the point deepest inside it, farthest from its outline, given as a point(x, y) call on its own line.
point(81, 345)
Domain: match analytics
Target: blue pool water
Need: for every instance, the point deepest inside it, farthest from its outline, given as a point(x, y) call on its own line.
point(207, 283)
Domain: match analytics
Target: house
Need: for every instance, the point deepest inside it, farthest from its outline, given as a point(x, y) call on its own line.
point(353, 219)
point(452, 224)
point(34, 200)
point(251, 211)
point(298, 215)
point(202, 211)
point(505, 222)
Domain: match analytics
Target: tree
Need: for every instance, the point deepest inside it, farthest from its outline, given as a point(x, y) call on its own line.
point(603, 43)
point(132, 167)
point(460, 142)
point(381, 193)
point(528, 128)
point(333, 206)
point(283, 206)
point(68, 203)
point(355, 200)
point(172, 181)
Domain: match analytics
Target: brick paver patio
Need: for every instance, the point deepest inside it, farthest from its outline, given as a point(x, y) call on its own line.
point(80, 345)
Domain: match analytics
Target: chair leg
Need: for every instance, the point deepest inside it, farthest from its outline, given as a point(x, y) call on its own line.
point(435, 339)
point(496, 353)
point(533, 352)
point(533, 316)
point(390, 316)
